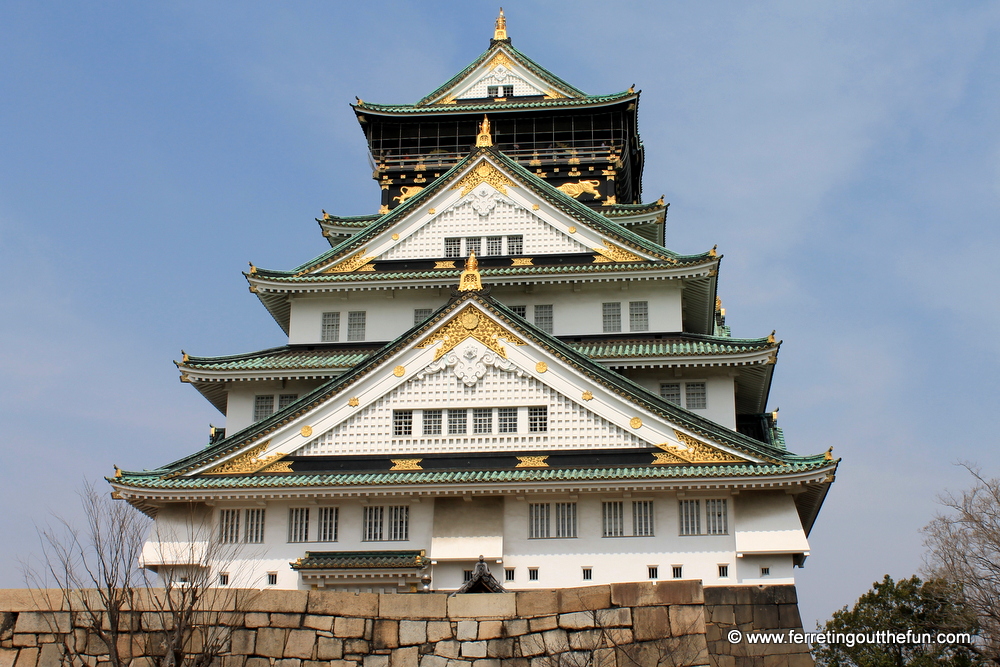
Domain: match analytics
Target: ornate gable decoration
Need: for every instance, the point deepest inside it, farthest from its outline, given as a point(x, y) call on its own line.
point(470, 322)
point(691, 450)
point(247, 462)
point(484, 172)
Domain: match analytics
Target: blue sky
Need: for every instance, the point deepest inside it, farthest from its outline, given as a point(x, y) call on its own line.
point(844, 156)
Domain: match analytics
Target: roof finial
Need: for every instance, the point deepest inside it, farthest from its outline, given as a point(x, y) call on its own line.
point(470, 280)
point(500, 32)
point(484, 138)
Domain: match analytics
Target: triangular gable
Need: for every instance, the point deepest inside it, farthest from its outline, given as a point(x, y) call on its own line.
point(484, 194)
point(473, 351)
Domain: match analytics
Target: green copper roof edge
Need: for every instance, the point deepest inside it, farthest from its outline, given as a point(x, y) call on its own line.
point(489, 107)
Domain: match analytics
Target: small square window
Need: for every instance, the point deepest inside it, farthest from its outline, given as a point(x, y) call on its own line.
point(331, 328)
point(538, 419)
point(588, 573)
point(457, 422)
point(272, 578)
point(284, 400)
point(765, 571)
point(508, 574)
point(453, 247)
point(653, 571)
point(671, 392)
point(612, 317)
point(494, 245)
point(432, 422)
point(493, 91)
point(678, 571)
point(638, 316)
point(532, 574)
point(263, 407)
point(723, 571)
point(482, 420)
point(223, 578)
point(356, 325)
point(507, 420)
point(473, 244)
point(402, 423)
point(695, 397)
point(508, 91)
point(466, 575)
point(421, 314)
point(515, 245)
point(520, 311)
point(544, 318)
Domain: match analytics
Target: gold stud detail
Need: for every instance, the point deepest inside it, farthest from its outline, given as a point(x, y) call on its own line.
point(635, 422)
point(306, 431)
point(534, 207)
point(353, 402)
point(588, 396)
point(395, 237)
point(572, 230)
point(541, 367)
point(398, 371)
point(431, 211)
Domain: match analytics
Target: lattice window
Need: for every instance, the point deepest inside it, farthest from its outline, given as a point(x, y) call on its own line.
point(612, 317)
point(284, 400)
point(229, 526)
point(263, 407)
point(671, 392)
point(642, 518)
point(330, 332)
point(453, 247)
point(538, 419)
point(565, 519)
point(253, 526)
point(544, 318)
point(494, 245)
point(432, 422)
point(613, 518)
point(638, 316)
point(515, 245)
point(482, 420)
point(356, 324)
point(493, 91)
point(421, 314)
point(298, 524)
point(690, 514)
point(716, 516)
point(695, 397)
point(402, 423)
point(328, 524)
point(538, 520)
point(473, 244)
point(507, 420)
point(520, 311)
point(508, 91)
point(457, 422)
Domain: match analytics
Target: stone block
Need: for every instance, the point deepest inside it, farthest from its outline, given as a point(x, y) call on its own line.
point(272, 601)
point(490, 629)
point(482, 605)
point(788, 616)
point(765, 616)
point(500, 648)
point(234, 660)
point(300, 644)
point(358, 646)
point(585, 640)
point(376, 661)
point(412, 632)
point(780, 594)
point(31, 599)
point(429, 605)
point(270, 642)
point(645, 593)
point(543, 623)
point(342, 603)
point(27, 657)
point(286, 620)
point(651, 623)
point(288, 662)
point(486, 662)
point(448, 649)
point(687, 619)
point(256, 620)
point(329, 649)
point(515, 627)
point(743, 613)
point(143, 661)
point(324, 623)
point(556, 641)
point(385, 634)
point(537, 603)
point(473, 649)
point(438, 630)
point(433, 661)
point(604, 657)
point(7, 657)
point(455, 662)
point(614, 618)
point(33, 621)
point(348, 627)
point(467, 630)
point(532, 645)
point(24, 639)
point(585, 598)
point(578, 620)
point(715, 595)
point(404, 657)
point(619, 636)
point(243, 642)
point(257, 662)
point(51, 655)
point(723, 613)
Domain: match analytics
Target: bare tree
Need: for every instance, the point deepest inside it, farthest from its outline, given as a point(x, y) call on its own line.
point(964, 548)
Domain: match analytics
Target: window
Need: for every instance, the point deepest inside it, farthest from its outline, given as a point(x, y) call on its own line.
point(383, 523)
point(588, 573)
point(493, 91)
point(565, 519)
point(678, 571)
point(612, 519)
point(272, 578)
point(612, 317)
point(690, 517)
point(694, 396)
point(653, 571)
point(356, 325)
point(229, 526)
point(284, 400)
point(402, 423)
point(253, 532)
point(507, 420)
point(473, 245)
point(223, 578)
point(642, 518)
point(520, 311)
point(671, 392)
point(723, 571)
point(494, 245)
point(532, 574)
point(538, 419)
point(453, 247)
point(330, 333)
point(432, 422)
point(457, 422)
point(482, 420)
point(263, 407)
point(543, 318)
point(716, 516)
point(538, 521)
point(508, 574)
point(327, 525)
point(765, 571)
point(421, 314)
point(515, 245)
point(638, 316)
point(466, 575)
point(298, 524)
point(508, 91)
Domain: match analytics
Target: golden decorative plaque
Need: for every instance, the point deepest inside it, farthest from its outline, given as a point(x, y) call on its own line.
point(398, 371)
point(395, 237)
point(406, 464)
point(531, 462)
point(353, 402)
point(541, 367)
point(635, 422)
point(306, 431)
point(588, 396)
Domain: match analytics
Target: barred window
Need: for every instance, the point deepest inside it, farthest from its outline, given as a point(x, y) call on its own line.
point(694, 396)
point(398, 528)
point(642, 518)
point(466, 575)
point(520, 311)
point(272, 578)
point(494, 245)
point(538, 520)
point(588, 573)
point(638, 315)
point(612, 317)
point(453, 247)
point(507, 420)
point(373, 524)
point(298, 524)
point(473, 244)
point(402, 423)
point(482, 420)
point(508, 574)
point(432, 422)
point(538, 419)
point(263, 407)
point(284, 400)
point(543, 318)
point(532, 574)
point(671, 392)
point(723, 571)
point(330, 333)
point(508, 91)
point(493, 91)
point(223, 578)
point(356, 325)
point(229, 526)
point(327, 525)
point(421, 314)
point(515, 245)
point(457, 422)
point(716, 516)
point(613, 518)
point(565, 519)
point(653, 571)
point(253, 532)
point(690, 517)
point(678, 571)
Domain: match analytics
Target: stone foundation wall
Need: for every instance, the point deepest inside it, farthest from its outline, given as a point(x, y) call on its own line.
point(668, 624)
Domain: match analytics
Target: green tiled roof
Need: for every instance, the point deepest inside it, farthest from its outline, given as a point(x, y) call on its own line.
point(622, 210)
point(487, 107)
point(280, 358)
point(671, 347)
point(359, 221)
point(348, 560)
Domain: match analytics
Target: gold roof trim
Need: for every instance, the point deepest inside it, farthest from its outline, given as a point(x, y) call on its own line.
point(467, 323)
point(484, 172)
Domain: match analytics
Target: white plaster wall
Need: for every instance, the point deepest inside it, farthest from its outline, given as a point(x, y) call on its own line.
point(390, 313)
point(768, 521)
point(239, 407)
